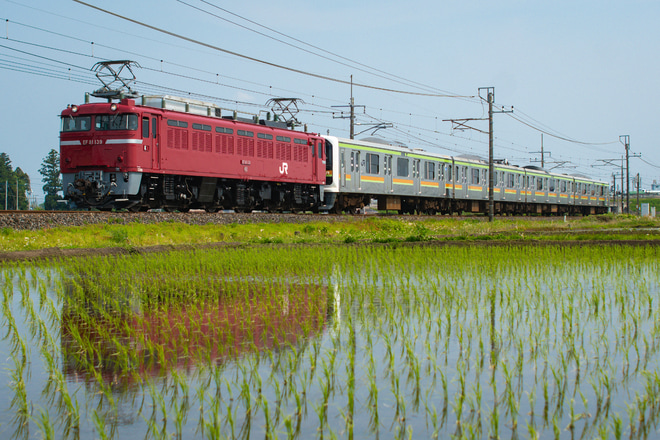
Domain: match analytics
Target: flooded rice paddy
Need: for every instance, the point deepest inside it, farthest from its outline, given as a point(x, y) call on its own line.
point(331, 341)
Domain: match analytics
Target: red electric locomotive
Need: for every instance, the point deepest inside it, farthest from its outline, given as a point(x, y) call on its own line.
point(180, 154)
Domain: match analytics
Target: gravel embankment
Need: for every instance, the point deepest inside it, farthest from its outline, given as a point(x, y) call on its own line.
point(29, 221)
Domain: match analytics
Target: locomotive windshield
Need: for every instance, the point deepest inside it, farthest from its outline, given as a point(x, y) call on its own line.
point(76, 123)
point(118, 121)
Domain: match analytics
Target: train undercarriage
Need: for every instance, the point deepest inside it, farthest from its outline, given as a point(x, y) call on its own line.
point(353, 203)
point(183, 193)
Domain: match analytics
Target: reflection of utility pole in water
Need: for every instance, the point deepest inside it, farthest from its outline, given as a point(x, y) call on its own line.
point(493, 364)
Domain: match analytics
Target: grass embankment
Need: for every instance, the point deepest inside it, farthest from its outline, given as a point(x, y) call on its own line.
point(358, 229)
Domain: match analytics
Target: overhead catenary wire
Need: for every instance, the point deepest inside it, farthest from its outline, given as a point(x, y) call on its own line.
point(257, 60)
point(347, 62)
point(66, 74)
point(547, 131)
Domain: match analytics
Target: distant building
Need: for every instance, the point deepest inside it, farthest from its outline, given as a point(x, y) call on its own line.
point(655, 186)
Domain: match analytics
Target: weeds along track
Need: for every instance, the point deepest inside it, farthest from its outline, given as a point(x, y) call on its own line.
point(35, 220)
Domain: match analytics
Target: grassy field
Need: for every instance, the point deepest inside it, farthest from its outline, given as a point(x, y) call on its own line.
point(358, 229)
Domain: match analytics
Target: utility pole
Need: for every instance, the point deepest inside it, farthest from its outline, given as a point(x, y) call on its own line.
point(460, 124)
point(490, 98)
point(543, 153)
point(351, 114)
point(614, 187)
point(639, 208)
point(622, 176)
point(625, 140)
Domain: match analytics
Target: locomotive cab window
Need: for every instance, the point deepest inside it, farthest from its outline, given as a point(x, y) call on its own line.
point(77, 123)
point(117, 122)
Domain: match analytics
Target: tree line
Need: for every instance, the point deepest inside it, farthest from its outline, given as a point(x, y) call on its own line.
point(15, 184)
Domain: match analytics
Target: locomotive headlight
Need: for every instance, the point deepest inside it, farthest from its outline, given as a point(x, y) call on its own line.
point(113, 178)
point(74, 108)
point(113, 107)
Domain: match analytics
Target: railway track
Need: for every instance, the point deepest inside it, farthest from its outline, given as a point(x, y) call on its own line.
point(35, 220)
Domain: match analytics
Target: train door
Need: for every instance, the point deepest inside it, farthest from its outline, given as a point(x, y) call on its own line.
point(387, 167)
point(358, 171)
point(151, 139)
point(342, 169)
point(415, 175)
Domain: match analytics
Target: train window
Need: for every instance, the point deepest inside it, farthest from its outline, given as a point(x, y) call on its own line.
point(328, 155)
point(265, 136)
point(475, 176)
point(154, 131)
point(495, 178)
point(175, 123)
point(449, 173)
point(245, 133)
point(372, 163)
point(352, 161)
point(78, 123)
point(116, 122)
point(145, 127)
point(562, 186)
point(539, 183)
point(300, 141)
point(441, 172)
point(552, 185)
point(510, 180)
point(429, 170)
point(402, 168)
point(201, 127)
point(224, 130)
point(283, 139)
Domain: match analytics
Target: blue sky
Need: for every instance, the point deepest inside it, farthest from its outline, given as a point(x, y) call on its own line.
point(586, 71)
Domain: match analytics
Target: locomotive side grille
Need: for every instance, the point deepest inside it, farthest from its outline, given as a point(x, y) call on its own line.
point(196, 141)
point(208, 141)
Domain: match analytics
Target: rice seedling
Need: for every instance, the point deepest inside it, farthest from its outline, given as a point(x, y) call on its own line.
point(376, 338)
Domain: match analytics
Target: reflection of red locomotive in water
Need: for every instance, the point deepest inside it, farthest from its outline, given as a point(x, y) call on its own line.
point(180, 154)
point(252, 319)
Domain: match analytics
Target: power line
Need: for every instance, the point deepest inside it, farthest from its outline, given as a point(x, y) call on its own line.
point(362, 68)
point(257, 60)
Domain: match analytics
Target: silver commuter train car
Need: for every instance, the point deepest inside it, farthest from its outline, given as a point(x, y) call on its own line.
point(416, 181)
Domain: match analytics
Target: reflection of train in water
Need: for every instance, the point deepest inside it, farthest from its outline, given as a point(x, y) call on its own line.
point(176, 154)
point(252, 317)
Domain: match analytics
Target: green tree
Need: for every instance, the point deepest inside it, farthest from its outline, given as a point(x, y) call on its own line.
point(50, 172)
point(13, 184)
point(24, 188)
